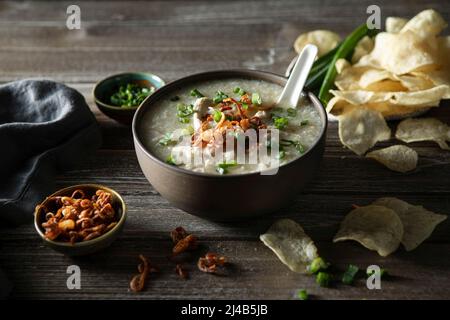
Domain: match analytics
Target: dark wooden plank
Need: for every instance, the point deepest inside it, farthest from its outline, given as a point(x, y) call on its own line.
point(255, 273)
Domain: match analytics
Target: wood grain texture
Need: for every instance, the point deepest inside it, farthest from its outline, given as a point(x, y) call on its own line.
point(174, 39)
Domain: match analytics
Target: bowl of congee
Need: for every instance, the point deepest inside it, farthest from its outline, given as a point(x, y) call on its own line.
point(217, 145)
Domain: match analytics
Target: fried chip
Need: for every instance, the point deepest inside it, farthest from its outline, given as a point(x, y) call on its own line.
point(428, 23)
point(364, 46)
point(398, 158)
point(424, 129)
point(395, 24)
point(406, 52)
point(377, 228)
point(361, 128)
point(418, 222)
point(324, 40)
point(291, 244)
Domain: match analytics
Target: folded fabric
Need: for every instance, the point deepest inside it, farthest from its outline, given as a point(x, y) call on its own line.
point(45, 127)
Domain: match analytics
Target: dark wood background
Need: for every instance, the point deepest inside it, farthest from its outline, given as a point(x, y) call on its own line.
point(174, 39)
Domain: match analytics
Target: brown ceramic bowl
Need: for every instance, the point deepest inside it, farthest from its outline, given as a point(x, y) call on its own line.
point(253, 194)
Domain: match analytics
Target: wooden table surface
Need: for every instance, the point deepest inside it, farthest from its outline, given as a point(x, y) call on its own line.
point(174, 39)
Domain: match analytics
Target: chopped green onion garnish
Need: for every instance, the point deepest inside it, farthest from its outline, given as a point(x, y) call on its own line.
point(184, 111)
point(245, 106)
point(184, 120)
point(219, 97)
point(190, 129)
point(350, 274)
point(239, 91)
point(383, 273)
point(323, 279)
point(291, 112)
point(281, 154)
point(166, 140)
point(280, 123)
point(175, 98)
point(217, 115)
point(170, 160)
point(304, 122)
point(196, 93)
point(130, 95)
point(256, 99)
point(302, 294)
point(222, 168)
point(300, 148)
point(317, 265)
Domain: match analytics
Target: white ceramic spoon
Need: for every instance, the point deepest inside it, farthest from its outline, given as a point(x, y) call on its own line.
point(294, 86)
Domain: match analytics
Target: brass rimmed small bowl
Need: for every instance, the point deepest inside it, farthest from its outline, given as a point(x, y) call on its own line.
point(90, 246)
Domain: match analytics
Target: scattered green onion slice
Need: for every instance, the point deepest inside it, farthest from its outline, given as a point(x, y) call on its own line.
point(239, 91)
point(304, 122)
point(292, 112)
point(317, 265)
point(219, 97)
point(222, 168)
point(244, 106)
point(196, 93)
point(349, 275)
point(217, 115)
point(302, 294)
point(281, 154)
point(383, 273)
point(170, 160)
point(323, 279)
point(280, 123)
point(165, 140)
point(256, 99)
point(184, 111)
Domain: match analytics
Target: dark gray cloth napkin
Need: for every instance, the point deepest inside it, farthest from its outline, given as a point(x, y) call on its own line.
point(45, 127)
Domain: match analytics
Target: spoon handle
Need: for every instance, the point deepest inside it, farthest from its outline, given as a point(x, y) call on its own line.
point(294, 86)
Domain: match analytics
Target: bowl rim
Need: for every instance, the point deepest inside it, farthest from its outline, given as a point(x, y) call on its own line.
point(83, 243)
point(226, 73)
point(122, 74)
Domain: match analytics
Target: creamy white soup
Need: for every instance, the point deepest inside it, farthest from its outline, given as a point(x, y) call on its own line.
point(207, 126)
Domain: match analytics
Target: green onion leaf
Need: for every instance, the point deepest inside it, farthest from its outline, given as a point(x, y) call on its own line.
point(196, 93)
point(222, 168)
point(281, 154)
point(304, 122)
point(244, 106)
point(280, 123)
point(291, 112)
point(256, 99)
point(170, 160)
point(317, 265)
point(383, 273)
point(302, 294)
point(165, 140)
point(219, 97)
point(323, 279)
point(217, 115)
point(350, 274)
point(239, 91)
point(300, 148)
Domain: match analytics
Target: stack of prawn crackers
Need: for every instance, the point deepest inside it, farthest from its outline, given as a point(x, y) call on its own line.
point(397, 74)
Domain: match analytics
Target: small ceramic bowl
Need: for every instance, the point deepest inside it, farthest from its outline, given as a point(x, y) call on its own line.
point(90, 246)
point(105, 88)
